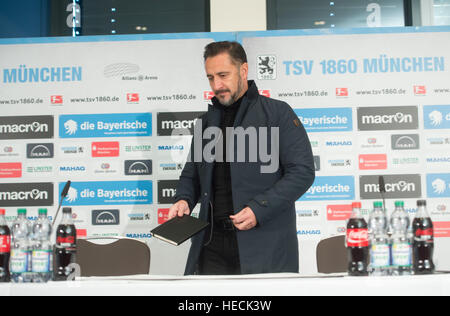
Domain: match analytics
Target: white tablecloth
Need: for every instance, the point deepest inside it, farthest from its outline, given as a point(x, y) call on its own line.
point(255, 285)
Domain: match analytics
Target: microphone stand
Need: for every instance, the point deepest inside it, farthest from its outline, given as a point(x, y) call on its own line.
point(64, 193)
point(383, 195)
point(382, 190)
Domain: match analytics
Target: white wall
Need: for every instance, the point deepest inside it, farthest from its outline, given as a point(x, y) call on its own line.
point(427, 10)
point(251, 15)
point(238, 15)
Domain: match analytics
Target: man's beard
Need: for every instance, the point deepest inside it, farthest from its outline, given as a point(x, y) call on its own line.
point(234, 97)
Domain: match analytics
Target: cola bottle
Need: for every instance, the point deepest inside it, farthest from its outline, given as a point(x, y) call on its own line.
point(357, 242)
point(65, 248)
point(423, 244)
point(5, 248)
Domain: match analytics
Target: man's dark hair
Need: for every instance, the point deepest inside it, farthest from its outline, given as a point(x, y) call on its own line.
point(234, 49)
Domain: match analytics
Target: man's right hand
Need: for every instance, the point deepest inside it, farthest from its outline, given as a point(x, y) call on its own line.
point(180, 208)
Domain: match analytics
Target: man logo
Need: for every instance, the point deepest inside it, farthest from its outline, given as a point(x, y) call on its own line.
point(439, 186)
point(405, 142)
point(71, 127)
point(138, 167)
point(72, 195)
point(107, 217)
point(40, 151)
point(436, 118)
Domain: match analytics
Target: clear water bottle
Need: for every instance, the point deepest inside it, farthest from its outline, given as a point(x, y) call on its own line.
point(380, 250)
point(42, 256)
point(20, 259)
point(401, 240)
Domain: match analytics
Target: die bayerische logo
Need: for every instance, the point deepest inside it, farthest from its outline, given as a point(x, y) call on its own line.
point(71, 127)
point(439, 186)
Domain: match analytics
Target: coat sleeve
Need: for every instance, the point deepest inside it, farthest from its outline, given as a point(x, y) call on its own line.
point(297, 166)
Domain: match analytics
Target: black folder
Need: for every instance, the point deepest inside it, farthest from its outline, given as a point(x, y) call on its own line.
point(179, 229)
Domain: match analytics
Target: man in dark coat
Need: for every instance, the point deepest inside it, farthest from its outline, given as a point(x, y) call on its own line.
point(250, 160)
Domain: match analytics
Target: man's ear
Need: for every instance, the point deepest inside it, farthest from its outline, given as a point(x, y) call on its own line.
point(244, 71)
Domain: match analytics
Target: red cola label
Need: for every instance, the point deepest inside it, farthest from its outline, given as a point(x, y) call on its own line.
point(357, 237)
point(424, 235)
point(65, 240)
point(5, 244)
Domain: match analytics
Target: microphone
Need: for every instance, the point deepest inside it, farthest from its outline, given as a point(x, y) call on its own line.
point(64, 193)
point(382, 184)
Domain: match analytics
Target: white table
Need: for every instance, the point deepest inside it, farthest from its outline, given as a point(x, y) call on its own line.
point(255, 285)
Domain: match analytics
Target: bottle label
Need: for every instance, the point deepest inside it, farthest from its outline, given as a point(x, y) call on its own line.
point(426, 235)
point(5, 244)
point(65, 241)
point(401, 254)
point(19, 261)
point(380, 256)
point(357, 238)
point(41, 261)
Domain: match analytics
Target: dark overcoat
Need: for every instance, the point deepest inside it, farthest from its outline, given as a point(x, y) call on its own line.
point(272, 246)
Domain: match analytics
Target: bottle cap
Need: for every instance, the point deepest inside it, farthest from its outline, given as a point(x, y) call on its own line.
point(421, 203)
point(22, 211)
point(378, 204)
point(399, 204)
point(2, 211)
point(356, 205)
point(42, 211)
point(67, 210)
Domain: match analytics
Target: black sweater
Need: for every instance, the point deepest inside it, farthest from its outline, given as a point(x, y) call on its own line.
point(223, 195)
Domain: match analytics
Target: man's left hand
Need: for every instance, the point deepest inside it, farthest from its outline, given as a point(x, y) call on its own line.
point(245, 219)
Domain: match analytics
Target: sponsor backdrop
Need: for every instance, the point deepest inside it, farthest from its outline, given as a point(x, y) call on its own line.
point(102, 111)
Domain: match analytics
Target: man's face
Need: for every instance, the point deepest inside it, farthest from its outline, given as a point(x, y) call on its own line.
point(227, 80)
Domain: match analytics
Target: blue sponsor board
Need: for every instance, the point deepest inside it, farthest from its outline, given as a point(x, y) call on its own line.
point(330, 189)
point(105, 125)
point(436, 116)
point(326, 120)
point(438, 185)
point(109, 193)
